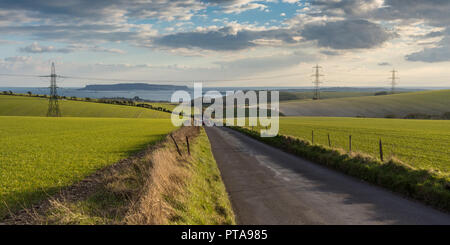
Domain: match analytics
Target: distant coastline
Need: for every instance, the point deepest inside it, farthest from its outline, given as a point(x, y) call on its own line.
point(131, 86)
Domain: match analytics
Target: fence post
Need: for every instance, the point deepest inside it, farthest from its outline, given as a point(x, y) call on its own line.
point(329, 141)
point(312, 137)
point(176, 145)
point(350, 143)
point(381, 150)
point(188, 148)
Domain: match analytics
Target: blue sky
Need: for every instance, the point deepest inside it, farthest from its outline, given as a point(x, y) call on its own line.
point(241, 42)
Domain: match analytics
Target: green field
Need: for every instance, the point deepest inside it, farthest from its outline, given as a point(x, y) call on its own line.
point(34, 106)
point(40, 155)
point(397, 105)
point(423, 144)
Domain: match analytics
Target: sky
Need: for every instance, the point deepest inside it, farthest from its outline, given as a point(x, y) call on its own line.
point(226, 42)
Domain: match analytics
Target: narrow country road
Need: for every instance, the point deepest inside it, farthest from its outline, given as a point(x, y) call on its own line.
point(269, 186)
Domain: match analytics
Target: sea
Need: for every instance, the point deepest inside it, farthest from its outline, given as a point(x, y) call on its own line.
point(151, 95)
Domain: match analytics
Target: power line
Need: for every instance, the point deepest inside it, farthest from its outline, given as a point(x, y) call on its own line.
point(18, 75)
point(316, 83)
point(183, 81)
point(159, 81)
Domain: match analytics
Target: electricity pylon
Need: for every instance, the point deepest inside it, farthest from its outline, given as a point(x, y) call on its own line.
point(393, 80)
point(317, 82)
point(53, 106)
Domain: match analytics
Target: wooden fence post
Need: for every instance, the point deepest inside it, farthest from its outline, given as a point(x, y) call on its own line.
point(329, 141)
point(312, 137)
point(176, 145)
point(188, 148)
point(350, 143)
point(381, 150)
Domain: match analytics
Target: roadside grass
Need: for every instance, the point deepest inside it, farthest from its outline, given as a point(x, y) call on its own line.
point(156, 186)
point(34, 106)
point(393, 174)
point(206, 200)
point(39, 156)
point(397, 105)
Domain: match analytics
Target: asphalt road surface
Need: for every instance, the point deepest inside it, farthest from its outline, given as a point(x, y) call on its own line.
point(269, 186)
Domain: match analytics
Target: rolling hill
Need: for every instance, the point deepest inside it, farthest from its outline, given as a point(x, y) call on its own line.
point(34, 106)
point(288, 96)
point(396, 105)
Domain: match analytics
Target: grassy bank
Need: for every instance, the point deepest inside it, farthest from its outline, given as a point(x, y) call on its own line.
point(156, 186)
point(423, 185)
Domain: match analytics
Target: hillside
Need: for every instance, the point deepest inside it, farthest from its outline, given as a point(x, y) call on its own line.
point(33, 106)
point(286, 96)
point(398, 105)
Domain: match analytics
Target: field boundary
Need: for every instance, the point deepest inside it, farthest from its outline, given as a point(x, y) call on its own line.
point(382, 145)
point(393, 174)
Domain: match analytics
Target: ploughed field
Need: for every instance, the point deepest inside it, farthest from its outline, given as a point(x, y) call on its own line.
point(423, 144)
point(40, 155)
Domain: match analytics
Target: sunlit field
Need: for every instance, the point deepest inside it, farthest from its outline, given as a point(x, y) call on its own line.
point(39, 155)
point(420, 143)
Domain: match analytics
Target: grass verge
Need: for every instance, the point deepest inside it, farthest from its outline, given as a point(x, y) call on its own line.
point(395, 175)
point(156, 186)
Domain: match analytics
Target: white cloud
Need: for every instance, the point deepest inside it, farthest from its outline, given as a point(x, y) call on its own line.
point(37, 48)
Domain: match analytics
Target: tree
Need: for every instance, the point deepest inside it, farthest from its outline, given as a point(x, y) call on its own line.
point(29, 93)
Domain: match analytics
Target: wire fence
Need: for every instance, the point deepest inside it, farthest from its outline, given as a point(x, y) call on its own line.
point(430, 152)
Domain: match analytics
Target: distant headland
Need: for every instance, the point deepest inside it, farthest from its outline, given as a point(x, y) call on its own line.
point(131, 86)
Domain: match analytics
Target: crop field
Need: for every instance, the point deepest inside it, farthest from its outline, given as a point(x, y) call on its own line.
point(33, 106)
point(422, 144)
point(40, 155)
point(396, 105)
